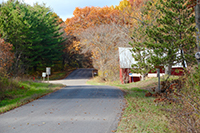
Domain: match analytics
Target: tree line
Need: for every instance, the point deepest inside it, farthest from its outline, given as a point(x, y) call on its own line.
point(159, 32)
point(34, 34)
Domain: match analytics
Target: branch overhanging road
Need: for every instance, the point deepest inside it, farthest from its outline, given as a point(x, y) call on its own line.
point(77, 108)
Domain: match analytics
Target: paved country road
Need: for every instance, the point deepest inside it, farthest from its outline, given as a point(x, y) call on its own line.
point(77, 108)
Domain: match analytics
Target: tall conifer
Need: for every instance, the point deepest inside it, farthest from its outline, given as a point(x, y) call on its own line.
point(34, 33)
point(172, 39)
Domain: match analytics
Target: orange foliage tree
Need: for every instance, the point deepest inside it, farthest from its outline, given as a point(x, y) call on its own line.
point(122, 19)
point(130, 11)
point(84, 18)
point(103, 42)
point(6, 56)
point(88, 17)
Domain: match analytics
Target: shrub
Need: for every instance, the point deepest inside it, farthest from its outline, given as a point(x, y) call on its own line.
point(184, 97)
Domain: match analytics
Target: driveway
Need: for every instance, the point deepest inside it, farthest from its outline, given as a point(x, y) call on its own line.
point(77, 108)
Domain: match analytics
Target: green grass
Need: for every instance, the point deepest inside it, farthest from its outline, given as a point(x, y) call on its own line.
point(141, 114)
point(30, 91)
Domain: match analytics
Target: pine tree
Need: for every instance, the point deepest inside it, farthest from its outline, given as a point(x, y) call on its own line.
point(141, 53)
point(44, 37)
point(172, 38)
point(34, 33)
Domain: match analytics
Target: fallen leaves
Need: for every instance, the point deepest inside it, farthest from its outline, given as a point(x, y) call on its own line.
point(148, 94)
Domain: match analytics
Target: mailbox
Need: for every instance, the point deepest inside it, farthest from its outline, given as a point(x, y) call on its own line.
point(44, 74)
point(197, 56)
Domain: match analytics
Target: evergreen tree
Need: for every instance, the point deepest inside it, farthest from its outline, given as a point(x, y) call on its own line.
point(172, 38)
point(141, 53)
point(44, 37)
point(34, 33)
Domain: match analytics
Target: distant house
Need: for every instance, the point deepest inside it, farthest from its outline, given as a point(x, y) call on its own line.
point(126, 60)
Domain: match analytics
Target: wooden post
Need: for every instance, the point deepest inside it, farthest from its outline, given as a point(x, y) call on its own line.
point(158, 72)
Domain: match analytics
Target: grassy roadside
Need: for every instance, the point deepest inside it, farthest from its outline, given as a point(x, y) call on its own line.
point(27, 92)
point(141, 113)
point(15, 93)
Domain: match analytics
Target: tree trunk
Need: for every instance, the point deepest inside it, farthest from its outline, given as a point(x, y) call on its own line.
point(183, 61)
point(35, 68)
point(144, 76)
point(63, 63)
point(168, 70)
point(197, 18)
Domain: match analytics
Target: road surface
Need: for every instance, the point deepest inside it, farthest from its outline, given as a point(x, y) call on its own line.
point(77, 108)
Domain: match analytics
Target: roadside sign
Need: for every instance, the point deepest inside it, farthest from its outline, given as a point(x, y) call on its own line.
point(44, 74)
point(48, 70)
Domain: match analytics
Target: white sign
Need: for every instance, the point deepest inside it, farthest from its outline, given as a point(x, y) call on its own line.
point(48, 71)
point(44, 74)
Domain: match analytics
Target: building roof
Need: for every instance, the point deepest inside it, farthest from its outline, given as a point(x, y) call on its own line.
point(125, 57)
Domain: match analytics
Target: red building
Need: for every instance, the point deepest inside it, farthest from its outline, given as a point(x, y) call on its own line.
point(126, 60)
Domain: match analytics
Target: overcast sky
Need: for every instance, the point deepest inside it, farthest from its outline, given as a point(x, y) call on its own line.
point(65, 8)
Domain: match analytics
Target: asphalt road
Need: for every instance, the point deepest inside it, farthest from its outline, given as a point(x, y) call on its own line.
point(77, 108)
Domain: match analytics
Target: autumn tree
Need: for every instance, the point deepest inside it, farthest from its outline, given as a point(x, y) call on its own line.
point(130, 12)
point(103, 42)
point(86, 18)
point(6, 56)
point(89, 16)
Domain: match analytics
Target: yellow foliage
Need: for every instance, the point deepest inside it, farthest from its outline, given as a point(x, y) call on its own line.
point(123, 4)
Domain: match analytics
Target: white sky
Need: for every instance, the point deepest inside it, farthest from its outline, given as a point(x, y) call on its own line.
point(64, 8)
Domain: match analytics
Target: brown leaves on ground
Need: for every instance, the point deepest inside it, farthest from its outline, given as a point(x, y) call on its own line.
point(148, 94)
point(167, 89)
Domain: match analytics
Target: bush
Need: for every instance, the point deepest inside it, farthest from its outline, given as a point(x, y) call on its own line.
point(183, 95)
point(186, 108)
point(6, 84)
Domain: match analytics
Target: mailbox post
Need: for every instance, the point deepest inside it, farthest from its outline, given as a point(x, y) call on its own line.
point(48, 71)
